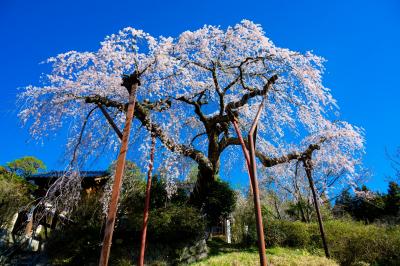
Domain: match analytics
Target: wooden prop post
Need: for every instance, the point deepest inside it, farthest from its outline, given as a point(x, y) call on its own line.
point(308, 168)
point(245, 151)
point(131, 83)
point(256, 193)
point(252, 171)
point(147, 203)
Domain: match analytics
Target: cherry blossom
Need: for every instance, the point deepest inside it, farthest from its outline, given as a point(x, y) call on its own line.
point(191, 87)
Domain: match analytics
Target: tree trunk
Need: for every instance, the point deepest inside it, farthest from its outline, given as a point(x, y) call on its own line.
point(303, 216)
point(205, 178)
point(277, 209)
point(206, 175)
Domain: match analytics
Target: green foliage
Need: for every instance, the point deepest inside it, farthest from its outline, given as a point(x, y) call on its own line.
point(244, 218)
point(219, 202)
point(25, 166)
point(78, 242)
point(286, 233)
point(392, 206)
point(14, 195)
point(349, 242)
point(352, 242)
point(380, 207)
point(176, 224)
point(15, 191)
point(172, 226)
point(243, 227)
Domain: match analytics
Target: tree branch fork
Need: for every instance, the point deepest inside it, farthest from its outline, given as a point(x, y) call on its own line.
point(216, 124)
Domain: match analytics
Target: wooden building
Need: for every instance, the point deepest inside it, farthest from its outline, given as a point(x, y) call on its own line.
point(27, 223)
point(91, 180)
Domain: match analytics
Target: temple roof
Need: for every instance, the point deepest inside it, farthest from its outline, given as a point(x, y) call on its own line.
point(57, 174)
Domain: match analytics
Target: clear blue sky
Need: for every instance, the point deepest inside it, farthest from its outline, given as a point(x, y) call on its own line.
point(360, 40)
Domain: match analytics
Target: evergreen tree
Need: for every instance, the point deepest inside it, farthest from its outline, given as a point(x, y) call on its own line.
point(392, 200)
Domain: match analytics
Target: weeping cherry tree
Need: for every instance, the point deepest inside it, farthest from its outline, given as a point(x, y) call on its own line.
point(190, 86)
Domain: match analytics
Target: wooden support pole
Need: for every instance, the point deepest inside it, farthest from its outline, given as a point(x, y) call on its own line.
point(147, 202)
point(112, 210)
point(251, 164)
point(245, 151)
point(256, 193)
point(308, 168)
point(256, 199)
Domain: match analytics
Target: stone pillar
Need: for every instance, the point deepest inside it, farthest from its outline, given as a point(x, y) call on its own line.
point(228, 231)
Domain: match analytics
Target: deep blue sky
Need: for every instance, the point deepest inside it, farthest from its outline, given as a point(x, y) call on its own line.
point(360, 40)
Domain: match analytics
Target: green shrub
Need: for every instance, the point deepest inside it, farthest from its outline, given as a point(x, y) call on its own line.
point(217, 202)
point(176, 224)
point(171, 228)
point(274, 234)
point(78, 243)
point(297, 234)
point(14, 195)
point(286, 233)
point(349, 242)
point(243, 217)
point(15, 191)
point(352, 242)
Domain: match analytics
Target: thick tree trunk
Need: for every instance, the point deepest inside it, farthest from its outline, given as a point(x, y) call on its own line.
point(205, 179)
point(207, 175)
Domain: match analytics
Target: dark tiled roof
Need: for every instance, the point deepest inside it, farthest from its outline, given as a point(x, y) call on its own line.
point(57, 174)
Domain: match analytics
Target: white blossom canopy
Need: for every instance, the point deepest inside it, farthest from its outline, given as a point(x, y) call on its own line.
point(188, 86)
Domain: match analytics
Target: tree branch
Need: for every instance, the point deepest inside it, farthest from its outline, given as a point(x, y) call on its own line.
point(143, 115)
point(269, 161)
point(110, 120)
point(246, 97)
point(198, 135)
point(197, 108)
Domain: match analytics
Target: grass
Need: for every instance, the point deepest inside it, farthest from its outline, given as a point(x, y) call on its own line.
point(224, 255)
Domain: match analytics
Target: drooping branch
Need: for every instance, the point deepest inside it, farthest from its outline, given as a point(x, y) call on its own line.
point(79, 142)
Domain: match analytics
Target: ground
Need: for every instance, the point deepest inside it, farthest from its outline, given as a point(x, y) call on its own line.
point(231, 256)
